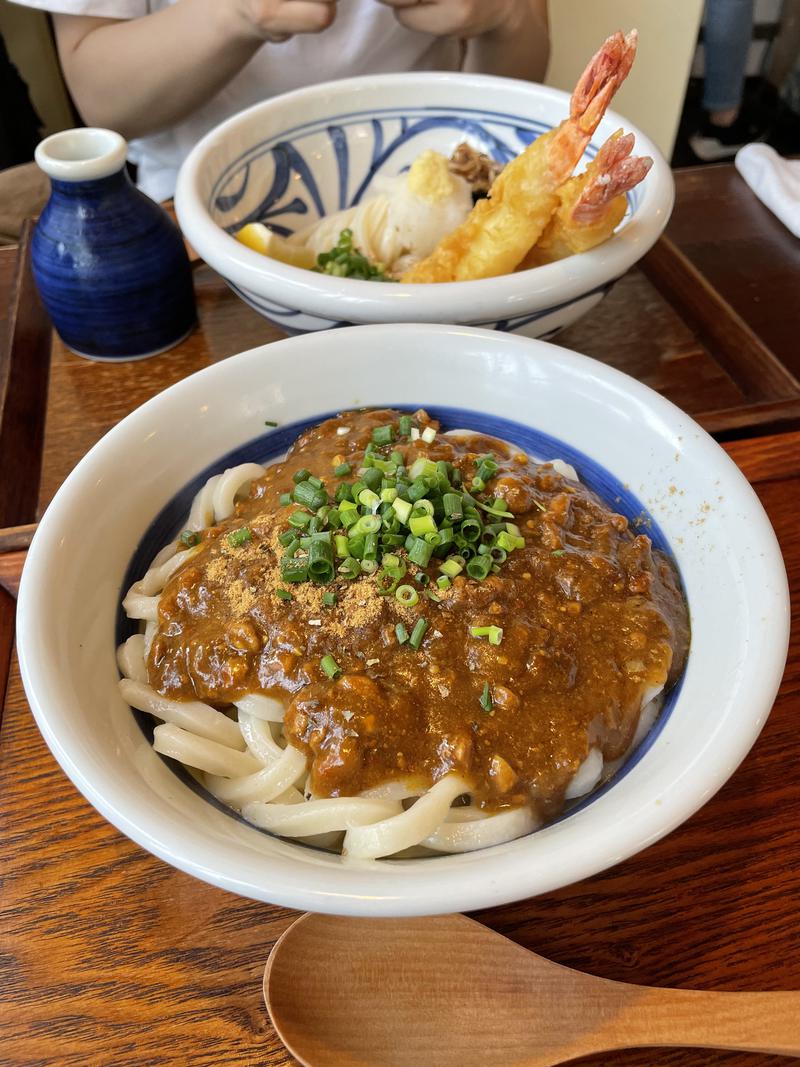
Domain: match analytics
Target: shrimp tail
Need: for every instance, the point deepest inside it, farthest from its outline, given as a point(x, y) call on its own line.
point(607, 70)
point(614, 172)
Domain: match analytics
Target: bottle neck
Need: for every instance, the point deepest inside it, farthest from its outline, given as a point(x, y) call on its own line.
point(79, 190)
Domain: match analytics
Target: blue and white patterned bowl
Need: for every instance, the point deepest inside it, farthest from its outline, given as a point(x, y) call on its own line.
point(289, 160)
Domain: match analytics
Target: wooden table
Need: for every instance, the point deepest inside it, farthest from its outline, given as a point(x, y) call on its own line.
point(108, 956)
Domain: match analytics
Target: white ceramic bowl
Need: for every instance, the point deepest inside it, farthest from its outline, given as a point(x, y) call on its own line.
point(288, 160)
point(625, 441)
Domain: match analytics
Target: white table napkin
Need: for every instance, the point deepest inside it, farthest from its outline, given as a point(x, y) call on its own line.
point(774, 180)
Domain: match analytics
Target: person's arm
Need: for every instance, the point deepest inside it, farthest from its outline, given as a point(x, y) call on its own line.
point(508, 37)
point(140, 75)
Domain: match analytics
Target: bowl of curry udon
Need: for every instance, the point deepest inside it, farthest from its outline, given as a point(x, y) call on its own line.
point(402, 620)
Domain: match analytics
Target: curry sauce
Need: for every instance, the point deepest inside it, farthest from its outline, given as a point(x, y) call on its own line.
point(590, 618)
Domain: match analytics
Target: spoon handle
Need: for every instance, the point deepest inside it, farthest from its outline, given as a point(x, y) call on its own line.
point(749, 1022)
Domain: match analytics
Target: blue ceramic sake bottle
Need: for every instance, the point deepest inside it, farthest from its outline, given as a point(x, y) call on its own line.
point(109, 262)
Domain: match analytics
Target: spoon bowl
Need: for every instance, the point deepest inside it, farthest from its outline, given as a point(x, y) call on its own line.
point(403, 992)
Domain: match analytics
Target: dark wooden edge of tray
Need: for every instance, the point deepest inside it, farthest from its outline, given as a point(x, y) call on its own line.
point(772, 391)
point(24, 375)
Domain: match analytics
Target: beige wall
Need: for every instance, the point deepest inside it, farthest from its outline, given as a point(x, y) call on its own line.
point(30, 46)
point(652, 97)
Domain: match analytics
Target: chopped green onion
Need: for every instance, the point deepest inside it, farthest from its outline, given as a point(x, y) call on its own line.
point(369, 566)
point(300, 518)
point(443, 581)
point(402, 508)
point(341, 543)
point(471, 529)
point(372, 478)
point(382, 435)
point(341, 469)
point(369, 499)
point(429, 593)
point(237, 538)
point(357, 545)
point(499, 511)
point(330, 667)
point(485, 698)
point(422, 468)
point(417, 634)
point(388, 495)
point(393, 565)
point(310, 495)
point(509, 542)
point(423, 507)
point(478, 484)
point(479, 566)
point(406, 595)
point(451, 567)
point(329, 599)
point(190, 538)
point(350, 568)
point(421, 525)
point(300, 476)
point(401, 633)
point(451, 502)
point(285, 500)
point(404, 425)
point(284, 594)
point(385, 583)
point(349, 518)
point(417, 490)
point(294, 569)
point(343, 492)
point(270, 422)
point(494, 633)
point(320, 561)
point(366, 524)
point(420, 552)
point(559, 552)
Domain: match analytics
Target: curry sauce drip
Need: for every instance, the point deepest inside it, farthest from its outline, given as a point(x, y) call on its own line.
point(592, 620)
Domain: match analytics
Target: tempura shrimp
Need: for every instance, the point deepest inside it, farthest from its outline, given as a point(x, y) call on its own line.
point(502, 228)
point(592, 204)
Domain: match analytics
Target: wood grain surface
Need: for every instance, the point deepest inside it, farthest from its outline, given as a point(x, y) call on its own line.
point(111, 957)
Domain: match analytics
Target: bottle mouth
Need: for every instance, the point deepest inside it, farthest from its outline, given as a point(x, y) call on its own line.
point(82, 155)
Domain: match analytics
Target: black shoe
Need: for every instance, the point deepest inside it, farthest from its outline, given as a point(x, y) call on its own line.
point(714, 143)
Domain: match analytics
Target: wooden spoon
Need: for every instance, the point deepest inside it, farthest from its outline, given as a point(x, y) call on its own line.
point(448, 991)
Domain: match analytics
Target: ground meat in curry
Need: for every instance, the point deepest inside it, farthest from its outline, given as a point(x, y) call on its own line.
point(591, 616)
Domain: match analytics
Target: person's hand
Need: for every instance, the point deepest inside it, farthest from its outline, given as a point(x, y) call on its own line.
point(278, 20)
point(457, 18)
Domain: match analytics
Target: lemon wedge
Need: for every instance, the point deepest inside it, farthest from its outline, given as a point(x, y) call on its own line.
point(261, 239)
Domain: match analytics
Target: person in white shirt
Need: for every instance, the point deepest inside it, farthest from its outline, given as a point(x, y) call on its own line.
point(164, 72)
